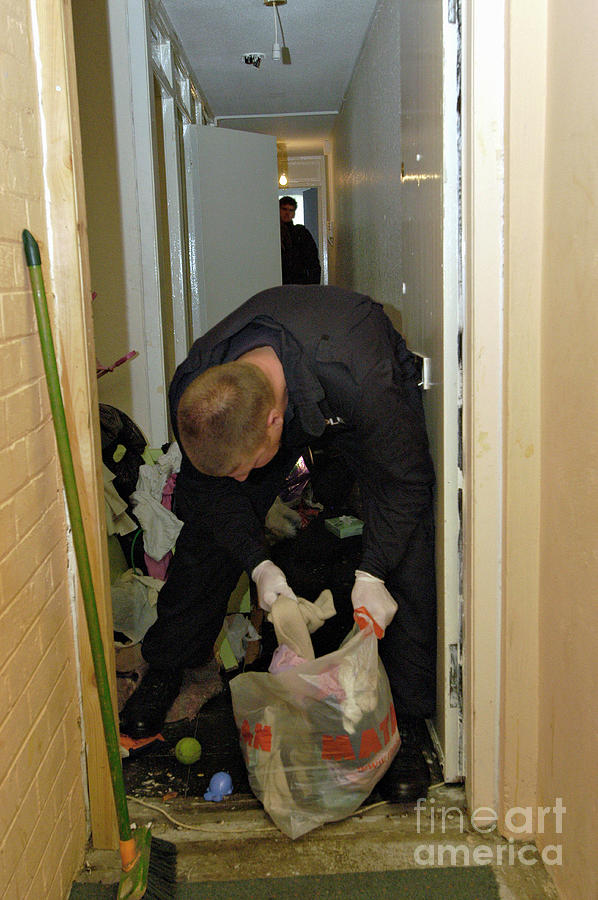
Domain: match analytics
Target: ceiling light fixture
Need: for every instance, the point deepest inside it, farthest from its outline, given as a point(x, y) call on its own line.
point(276, 47)
point(282, 159)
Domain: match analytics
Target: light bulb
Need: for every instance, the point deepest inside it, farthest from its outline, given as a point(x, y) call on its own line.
point(282, 180)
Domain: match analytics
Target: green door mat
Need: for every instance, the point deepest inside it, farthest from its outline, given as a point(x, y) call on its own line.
point(462, 883)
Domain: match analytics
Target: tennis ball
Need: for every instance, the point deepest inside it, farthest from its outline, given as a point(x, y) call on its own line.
point(188, 750)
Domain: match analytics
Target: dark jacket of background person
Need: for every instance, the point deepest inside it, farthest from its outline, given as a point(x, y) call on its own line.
point(299, 254)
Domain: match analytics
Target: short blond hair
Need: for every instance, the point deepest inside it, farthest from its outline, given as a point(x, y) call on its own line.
point(223, 415)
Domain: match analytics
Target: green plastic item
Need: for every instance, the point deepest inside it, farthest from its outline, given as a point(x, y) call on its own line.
point(344, 526)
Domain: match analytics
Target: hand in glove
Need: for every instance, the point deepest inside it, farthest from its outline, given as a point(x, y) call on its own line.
point(270, 582)
point(282, 521)
point(372, 603)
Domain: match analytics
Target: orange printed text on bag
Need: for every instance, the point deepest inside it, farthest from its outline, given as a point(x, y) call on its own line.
point(334, 746)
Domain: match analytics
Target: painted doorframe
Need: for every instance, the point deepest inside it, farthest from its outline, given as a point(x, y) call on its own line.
point(447, 728)
point(143, 46)
point(483, 237)
point(65, 256)
point(504, 121)
point(199, 321)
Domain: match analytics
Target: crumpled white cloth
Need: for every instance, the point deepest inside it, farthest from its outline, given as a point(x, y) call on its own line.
point(152, 479)
point(239, 631)
point(161, 527)
point(282, 521)
point(294, 619)
point(117, 520)
point(134, 599)
point(316, 613)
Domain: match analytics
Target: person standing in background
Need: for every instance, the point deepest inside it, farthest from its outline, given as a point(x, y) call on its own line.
point(299, 253)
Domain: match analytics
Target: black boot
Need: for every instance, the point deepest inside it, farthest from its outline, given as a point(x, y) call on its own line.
point(408, 776)
point(144, 712)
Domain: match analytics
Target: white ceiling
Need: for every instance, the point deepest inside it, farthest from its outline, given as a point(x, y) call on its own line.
point(323, 37)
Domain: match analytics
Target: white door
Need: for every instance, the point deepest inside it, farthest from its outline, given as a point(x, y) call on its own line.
point(233, 220)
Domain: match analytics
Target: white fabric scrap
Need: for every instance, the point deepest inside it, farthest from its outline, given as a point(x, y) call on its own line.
point(161, 527)
point(152, 479)
point(171, 460)
point(239, 631)
point(134, 599)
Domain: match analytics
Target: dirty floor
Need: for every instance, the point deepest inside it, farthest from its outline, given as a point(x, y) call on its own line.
point(235, 840)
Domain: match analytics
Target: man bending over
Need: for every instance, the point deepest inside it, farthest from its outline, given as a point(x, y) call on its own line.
point(252, 394)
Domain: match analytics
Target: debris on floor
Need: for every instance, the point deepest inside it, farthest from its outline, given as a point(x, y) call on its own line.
point(199, 685)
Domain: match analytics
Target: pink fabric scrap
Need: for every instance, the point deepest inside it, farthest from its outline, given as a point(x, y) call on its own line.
point(283, 659)
point(159, 568)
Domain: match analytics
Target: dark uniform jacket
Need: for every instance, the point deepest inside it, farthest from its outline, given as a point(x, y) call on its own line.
point(299, 255)
point(342, 359)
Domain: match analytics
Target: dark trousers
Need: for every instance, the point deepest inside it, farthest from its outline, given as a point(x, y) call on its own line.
point(192, 604)
point(408, 648)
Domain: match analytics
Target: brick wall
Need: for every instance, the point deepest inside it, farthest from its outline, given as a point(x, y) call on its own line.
point(42, 816)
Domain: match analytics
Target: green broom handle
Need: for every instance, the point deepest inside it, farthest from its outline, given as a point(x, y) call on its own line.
point(72, 498)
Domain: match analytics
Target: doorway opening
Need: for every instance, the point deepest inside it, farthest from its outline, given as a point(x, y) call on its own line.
point(307, 184)
point(306, 175)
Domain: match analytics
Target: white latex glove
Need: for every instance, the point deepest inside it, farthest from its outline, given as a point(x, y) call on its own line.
point(282, 521)
point(270, 582)
point(372, 603)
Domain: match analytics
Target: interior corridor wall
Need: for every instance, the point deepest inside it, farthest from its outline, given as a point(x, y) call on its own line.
point(568, 742)
point(387, 172)
point(366, 172)
point(387, 200)
point(111, 200)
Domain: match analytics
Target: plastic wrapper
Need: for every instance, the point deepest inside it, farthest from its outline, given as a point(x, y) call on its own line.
point(296, 482)
point(317, 738)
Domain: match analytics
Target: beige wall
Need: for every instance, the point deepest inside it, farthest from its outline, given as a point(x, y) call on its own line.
point(388, 172)
point(102, 195)
point(549, 715)
point(42, 816)
point(524, 238)
point(568, 735)
point(366, 177)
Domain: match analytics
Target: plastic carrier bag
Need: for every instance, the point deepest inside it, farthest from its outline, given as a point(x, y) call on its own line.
point(317, 738)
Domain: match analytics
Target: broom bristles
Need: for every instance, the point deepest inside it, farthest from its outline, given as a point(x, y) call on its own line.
point(161, 876)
